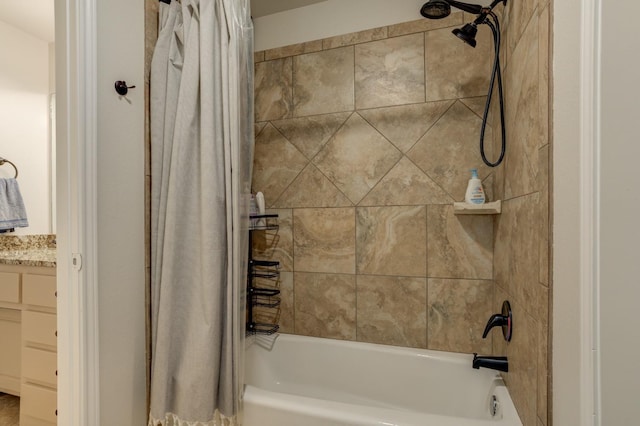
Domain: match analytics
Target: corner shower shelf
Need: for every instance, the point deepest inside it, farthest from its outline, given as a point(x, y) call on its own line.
point(262, 302)
point(494, 207)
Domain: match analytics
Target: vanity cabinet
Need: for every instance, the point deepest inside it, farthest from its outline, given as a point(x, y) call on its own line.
point(39, 350)
point(28, 337)
point(10, 332)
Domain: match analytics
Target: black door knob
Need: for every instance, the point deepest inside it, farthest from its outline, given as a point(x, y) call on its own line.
point(121, 87)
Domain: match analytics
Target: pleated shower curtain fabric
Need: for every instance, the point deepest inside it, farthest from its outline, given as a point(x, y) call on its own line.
point(201, 156)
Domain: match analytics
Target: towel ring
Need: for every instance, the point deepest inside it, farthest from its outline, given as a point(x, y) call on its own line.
point(4, 160)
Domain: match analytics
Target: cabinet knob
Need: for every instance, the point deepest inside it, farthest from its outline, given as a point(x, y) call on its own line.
point(56, 333)
point(56, 373)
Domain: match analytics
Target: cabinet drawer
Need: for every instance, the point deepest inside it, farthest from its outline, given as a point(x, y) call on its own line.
point(39, 290)
point(9, 287)
point(39, 366)
point(39, 327)
point(38, 402)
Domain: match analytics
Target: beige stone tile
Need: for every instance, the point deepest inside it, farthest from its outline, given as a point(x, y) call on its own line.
point(543, 218)
point(391, 240)
point(312, 189)
point(294, 49)
point(325, 305)
point(276, 164)
point(273, 82)
point(519, 14)
point(343, 161)
point(477, 104)
point(423, 24)
point(523, 375)
point(258, 56)
point(503, 228)
point(456, 70)
point(310, 134)
point(523, 115)
point(499, 343)
point(406, 185)
point(390, 72)
point(523, 264)
point(276, 244)
point(516, 239)
point(538, 306)
point(324, 240)
point(458, 311)
point(404, 125)
point(449, 150)
point(543, 74)
point(392, 310)
point(324, 82)
point(489, 183)
point(355, 38)
point(459, 246)
point(9, 410)
point(287, 306)
point(258, 127)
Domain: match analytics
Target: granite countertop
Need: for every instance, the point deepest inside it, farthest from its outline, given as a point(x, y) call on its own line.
point(30, 250)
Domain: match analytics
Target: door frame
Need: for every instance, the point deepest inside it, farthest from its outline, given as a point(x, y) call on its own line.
point(76, 181)
point(576, 197)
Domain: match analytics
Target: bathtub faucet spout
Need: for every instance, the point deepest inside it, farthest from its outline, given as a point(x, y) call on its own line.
point(499, 363)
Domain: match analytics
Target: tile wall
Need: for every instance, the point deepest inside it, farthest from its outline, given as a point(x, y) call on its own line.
point(363, 143)
point(522, 231)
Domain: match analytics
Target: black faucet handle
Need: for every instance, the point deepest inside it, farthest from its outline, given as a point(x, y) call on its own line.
point(504, 320)
point(496, 320)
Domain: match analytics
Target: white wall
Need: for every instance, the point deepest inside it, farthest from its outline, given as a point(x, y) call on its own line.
point(24, 121)
point(331, 18)
point(100, 184)
point(596, 269)
point(619, 214)
point(567, 291)
point(121, 213)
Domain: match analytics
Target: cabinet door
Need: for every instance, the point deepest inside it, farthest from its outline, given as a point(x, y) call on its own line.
point(39, 290)
point(9, 287)
point(39, 366)
point(39, 328)
point(39, 403)
point(10, 343)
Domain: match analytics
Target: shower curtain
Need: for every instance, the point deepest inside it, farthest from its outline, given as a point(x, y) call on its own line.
point(201, 156)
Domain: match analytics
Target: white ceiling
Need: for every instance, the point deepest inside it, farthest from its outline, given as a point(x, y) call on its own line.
point(35, 17)
point(268, 7)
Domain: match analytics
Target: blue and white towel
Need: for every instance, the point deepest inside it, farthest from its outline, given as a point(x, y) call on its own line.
point(12, 211)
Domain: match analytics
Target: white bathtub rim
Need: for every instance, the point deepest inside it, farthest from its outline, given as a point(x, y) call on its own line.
point(350, 414)
point(452, 357)
point(339, 409)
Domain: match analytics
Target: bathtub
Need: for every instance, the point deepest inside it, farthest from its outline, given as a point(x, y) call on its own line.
point(307, 381)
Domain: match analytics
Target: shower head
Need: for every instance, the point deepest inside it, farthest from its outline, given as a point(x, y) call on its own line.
point(467, 34)
point(438, 9)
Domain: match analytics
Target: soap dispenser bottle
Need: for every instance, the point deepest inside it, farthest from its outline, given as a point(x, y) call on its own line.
point(475, 192)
